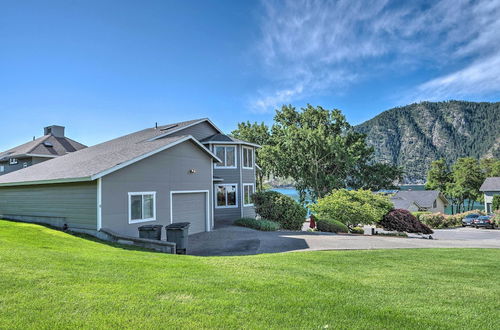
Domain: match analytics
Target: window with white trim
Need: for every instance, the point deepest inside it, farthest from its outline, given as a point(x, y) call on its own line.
point(141, 206)
point(227, 195)
point(227, 154)
point(247, 157)
point(25, 164)
point(248, 191)
point(13, 161)
point(2, 168)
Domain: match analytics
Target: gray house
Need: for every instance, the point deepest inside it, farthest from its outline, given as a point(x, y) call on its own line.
point(52, 144)
point(188, 171)
point(490, 188)
point(420, 200)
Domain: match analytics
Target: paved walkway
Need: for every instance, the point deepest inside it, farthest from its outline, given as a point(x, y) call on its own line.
point(232, 240)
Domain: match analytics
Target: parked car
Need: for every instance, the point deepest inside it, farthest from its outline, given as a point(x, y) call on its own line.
point(469, 219)
point(485, 221)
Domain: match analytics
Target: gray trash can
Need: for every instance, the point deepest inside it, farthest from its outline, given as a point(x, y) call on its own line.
point(178, 233)
point(150, 231)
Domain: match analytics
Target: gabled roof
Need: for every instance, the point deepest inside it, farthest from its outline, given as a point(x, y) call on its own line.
point(172, 128)
point(491, 184)
point(46, 146)
point(421, 198)
point(226, 139)
point(99, 160)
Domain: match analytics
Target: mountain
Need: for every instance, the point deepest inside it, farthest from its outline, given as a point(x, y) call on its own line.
point(414, 135)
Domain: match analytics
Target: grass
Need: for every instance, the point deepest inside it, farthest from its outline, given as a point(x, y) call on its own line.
point(50, 279)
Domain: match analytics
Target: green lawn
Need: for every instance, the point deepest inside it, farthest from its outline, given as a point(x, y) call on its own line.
point(49, 279)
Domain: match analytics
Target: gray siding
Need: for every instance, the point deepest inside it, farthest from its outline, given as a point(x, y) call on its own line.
point(162, 173)
point(192, 208)
point(56, 204)
point(198, 131)
point(11, 168)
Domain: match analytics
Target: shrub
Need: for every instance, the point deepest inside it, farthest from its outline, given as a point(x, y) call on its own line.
point(403, 221)
point(352, 207)
point(280, 208)
point(332, 226)
point(434, 220)
point(419, 214)
point(259, 224)
point(496, 203)
point(357, 230)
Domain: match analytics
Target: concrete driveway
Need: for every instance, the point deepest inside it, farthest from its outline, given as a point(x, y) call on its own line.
point(232, 240)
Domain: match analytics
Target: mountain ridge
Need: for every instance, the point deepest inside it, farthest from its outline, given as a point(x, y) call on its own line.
point(414, 135)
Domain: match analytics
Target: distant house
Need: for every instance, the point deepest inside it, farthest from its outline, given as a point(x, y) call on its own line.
point(420, 200)
point(490, 187)
point(52, 144)
point(188, 171)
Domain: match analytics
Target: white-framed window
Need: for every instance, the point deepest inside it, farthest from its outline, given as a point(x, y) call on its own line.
point(227, 155)
point(141, 206)
point(13, 161)
point(248, 157)
point(226, 195)
point(248, 191)
point(2, 168)
point(25, 164)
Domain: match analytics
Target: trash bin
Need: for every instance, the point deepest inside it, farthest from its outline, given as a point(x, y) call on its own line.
point(178, 233)
point(150, 232)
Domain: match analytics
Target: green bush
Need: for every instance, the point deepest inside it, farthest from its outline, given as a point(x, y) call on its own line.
point(419, 214)
point(332, 226)
point(357, 230)
point(352, 207)
point(259, 224)
point(496, 203)
point(280, 208)
point(433, 220)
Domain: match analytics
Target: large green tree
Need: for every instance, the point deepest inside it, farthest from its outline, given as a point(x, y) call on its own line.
point(490, 167)
point(318, 149)
point(438, 176)
point(258, 134)
point(467, 178)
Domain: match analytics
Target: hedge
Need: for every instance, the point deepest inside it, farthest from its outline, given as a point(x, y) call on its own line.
point(332, 226)
point(259, 224)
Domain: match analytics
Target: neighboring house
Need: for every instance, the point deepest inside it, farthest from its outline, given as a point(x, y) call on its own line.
point(490, 187)
point(52, 144)
point(189, 171)
point(420, 200)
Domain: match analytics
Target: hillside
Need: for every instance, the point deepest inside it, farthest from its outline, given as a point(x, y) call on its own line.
point(414, 135)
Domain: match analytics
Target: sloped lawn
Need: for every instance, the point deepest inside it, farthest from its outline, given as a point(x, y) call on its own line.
point(49, 279)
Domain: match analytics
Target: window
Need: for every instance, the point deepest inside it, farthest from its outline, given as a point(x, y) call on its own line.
point(248, 191)
point(13, 161)
point(141, 206)
point(227, 154)
point(226, 195)
point(435, 204)
point(2, 168)
point(488, 208)
point(25, 164)
point(247, 157)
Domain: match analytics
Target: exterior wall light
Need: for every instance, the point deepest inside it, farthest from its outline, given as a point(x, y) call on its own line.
point(192, 171)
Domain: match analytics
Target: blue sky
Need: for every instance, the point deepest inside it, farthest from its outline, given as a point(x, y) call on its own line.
point(107, 68)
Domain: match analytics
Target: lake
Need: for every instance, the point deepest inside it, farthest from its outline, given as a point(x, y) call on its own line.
point(295, 195)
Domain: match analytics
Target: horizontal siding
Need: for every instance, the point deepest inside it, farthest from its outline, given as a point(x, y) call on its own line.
point(71, 203)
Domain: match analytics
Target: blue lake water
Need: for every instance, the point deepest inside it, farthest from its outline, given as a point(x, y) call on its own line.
point(295, 195)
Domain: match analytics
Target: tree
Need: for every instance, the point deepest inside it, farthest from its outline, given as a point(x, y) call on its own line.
point(438, 176)
point(352, 207)
point(490, 167)
point(318, 149)
point(258, 134)
point(467, 178)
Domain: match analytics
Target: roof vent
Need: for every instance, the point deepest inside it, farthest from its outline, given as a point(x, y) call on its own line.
point(168, 127)
point(48, 144)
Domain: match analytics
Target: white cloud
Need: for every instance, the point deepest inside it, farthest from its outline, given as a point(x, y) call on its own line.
point(309, 47)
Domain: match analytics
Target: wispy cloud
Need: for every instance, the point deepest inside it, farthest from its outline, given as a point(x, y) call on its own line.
point(310, 47)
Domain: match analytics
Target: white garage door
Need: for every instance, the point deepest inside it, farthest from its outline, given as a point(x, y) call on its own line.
point(190, 207)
